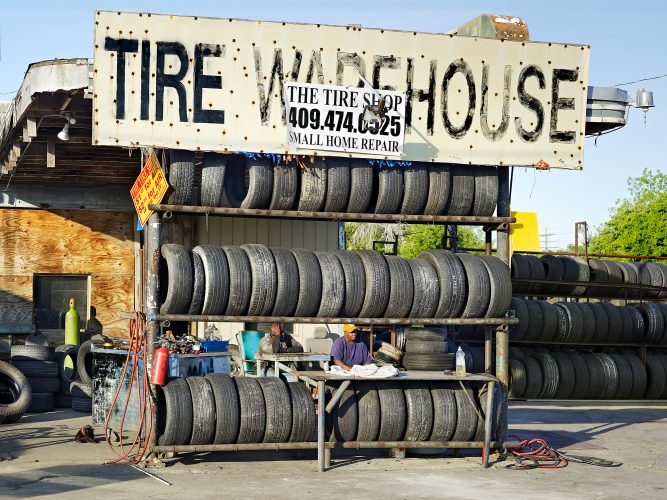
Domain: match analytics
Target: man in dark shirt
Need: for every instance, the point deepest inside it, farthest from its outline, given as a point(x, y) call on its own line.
point(347, 352)
point(278, 340)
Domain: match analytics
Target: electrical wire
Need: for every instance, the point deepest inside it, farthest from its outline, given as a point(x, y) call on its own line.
point(537, 454)
point(640, 80)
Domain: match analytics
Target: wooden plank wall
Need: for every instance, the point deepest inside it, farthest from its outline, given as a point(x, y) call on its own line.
point(67, 242)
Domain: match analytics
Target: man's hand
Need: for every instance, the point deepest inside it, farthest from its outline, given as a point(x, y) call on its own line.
point(339, 362)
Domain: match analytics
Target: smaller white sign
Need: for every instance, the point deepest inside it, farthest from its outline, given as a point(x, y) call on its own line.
point(350, 119)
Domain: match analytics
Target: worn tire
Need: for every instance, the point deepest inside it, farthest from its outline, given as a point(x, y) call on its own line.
point(227, 408)
point(583, 274)
point(425, 346)
point(278, 409)
point(419, 411)
point(285, 186)
point(520, 331)
point(486, 191)
point(615, 323)
point(44, 384)
point(520, 270)
point(378, 285)
point(517, 379)
point(534, 377)
point(630, 273)
point(426, 334)
point(179, 279)
point(333, 285)
point(346, 419)
point(338, 184)
point(501, 286)
point(355, 282)
point(429, 362)
point(287, 282)
point(82, 405)
point(313, 190)
point(203, 410)
point(310, 283)
point(444, 411)
point(19, 387)
point(304, 419)
point(84, 362)
point(390, 191)
point(216, 278)
point(601, 322)
point(615, 275)
point(637, 324)
point(654, 322)
point(401, 287)
point(627, 330)
point(36, 368)
point(42, 402)
point(181, 177)
point(240, 281)
point(570, 273)
point(588, 321)
point(79, 389)
point(264, 279)
point(415, 178)
point(392, 411)
point(610, 385)
point(368, 406)
point(212, 179)
point(260, 183)
point(198, 284)
point(426, 288)
point(174, 423)
point(479, 286)
point(596, 381)
point(656, 377)
point(64, 401)
point(638, 375)
point(536, 273)
point(650, 274)
point(624, 388)
point(549, 320)
point(553, 271)
point(62, 353)
point(599, 274)
point(575, 321)
point(550, 375)
point(252, 421)
point(466, 421)
point(581, 375)
point(361, 186)
point(536, 321)
point(452, 280)
point(462, 190)
point(32, 352)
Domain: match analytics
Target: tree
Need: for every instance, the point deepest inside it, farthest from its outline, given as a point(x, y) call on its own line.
point(638, 224)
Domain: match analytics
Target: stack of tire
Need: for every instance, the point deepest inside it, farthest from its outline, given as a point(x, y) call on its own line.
point(572, 374)
point(37, 363)
point(15, 393)
point(256, 280)
point(426, 350)
point(81, 389)
point(66, 357)
point(220, 409)
point(333, 185)
point(564, 268)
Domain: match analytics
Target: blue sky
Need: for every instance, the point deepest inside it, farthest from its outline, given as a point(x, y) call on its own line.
point(627, 43)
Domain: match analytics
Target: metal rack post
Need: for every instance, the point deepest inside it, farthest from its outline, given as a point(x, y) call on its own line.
point(152, 326)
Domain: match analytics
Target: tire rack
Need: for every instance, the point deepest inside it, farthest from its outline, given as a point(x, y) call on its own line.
point(501, 325)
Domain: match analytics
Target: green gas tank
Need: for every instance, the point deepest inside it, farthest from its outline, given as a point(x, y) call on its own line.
point(72, 324)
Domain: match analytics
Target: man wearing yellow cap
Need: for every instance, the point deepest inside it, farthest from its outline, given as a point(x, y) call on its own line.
point(347, 351)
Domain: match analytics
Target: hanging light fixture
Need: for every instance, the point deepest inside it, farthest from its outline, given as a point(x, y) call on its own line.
point(63, 135)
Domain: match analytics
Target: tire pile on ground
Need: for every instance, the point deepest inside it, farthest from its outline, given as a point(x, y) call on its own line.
point(571, 374)
point(256, 280)
point(426, 349)
point(218, 409)
point(81, 385)
point(38, 363)
point(332, 185)
point(15, 393)
point(565, 268)
point(590, 322)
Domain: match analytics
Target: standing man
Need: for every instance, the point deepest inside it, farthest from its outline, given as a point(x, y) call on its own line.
point(347, 351)
point(278, 340)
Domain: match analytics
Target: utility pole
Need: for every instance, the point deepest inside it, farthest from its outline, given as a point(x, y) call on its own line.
point(545, 239)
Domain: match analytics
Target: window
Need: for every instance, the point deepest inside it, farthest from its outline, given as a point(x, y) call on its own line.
point(51, 294)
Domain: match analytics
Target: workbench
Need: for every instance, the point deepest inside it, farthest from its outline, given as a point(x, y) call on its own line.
point(280, 358)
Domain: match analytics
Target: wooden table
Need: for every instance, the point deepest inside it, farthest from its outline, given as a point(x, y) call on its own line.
point(279, 358)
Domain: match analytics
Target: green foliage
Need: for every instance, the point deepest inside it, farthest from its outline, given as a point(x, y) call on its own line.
point(637, 225)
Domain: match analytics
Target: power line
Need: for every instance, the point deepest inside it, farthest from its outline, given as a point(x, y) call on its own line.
point(546, 235)
point(640, 80)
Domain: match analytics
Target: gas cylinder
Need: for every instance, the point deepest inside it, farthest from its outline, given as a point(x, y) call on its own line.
point(72, 324)
point(160, 361)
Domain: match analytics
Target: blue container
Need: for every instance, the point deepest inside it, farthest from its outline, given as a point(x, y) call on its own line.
point(214, 345)
point(250, 341)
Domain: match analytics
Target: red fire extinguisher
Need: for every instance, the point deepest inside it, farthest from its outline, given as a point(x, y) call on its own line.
point(160, 361)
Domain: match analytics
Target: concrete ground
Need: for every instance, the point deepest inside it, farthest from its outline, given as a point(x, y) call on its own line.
point(39, 458)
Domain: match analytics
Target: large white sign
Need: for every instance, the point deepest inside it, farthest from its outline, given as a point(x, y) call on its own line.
point(219, 85)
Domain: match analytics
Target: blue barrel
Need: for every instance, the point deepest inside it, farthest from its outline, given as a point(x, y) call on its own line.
point(250, 340)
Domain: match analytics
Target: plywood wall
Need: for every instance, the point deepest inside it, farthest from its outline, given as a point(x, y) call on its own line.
point(67, 242)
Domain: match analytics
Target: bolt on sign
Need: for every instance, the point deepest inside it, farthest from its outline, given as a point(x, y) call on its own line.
point(220, 85)
point(149, 188)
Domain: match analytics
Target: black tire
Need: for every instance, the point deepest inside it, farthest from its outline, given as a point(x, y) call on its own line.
point(35, 368)
point(663, 271)
point(627, 329)
point(212, 179)
point(536, 321)
point(426, 289)
point(610, 386)
point(481, 397)
point(333, 285)
point(252, 421)
point(439, 185)
point(654, 322)
point(550, 375)
point(313, 187)
point(278, 409)
point(650, 274)
point(378, 285)
point(429, 362)
point(260, 183)
point(599, 274)
point(575, 321)
point(444, 411)
point(20, 390)
point(355, 282)
point(624, 388)
point(583, 274)
point(44, 384)
point(264, 279)
point(656, 378)
point(82, 405)
point(227, 408)
point(615, 323)
point(637, 324)
point(179, 279)
point(520, 309)
point(630, 272)
point(638, 375)
point(596, 379)
point(32, 352)
point(462, 190)
point(588, 317)
point(240, 281)
point(425, 346)
point(536, 273)
point(80, 389)
point(203, 410)
point(368, 406)
point(346, 419)
point(174, 412)
point(419, 411)
point(553, 271)
point(615, 275)
point(520, 270)
point(601, 322)
point(285, 186)
point(310, 283)
point(287, 282)
point(198, 284)
point(566, 374)
point(338, 184)
point(534, 377)
point(304, 419)
point(517, 379)
point(181, 177)
point(361, 186)
point(401, 287)
point(65, 401)
point(486, 191)
point(84, 362)
point(581, 375)
point(452, 279)
point(549, 321)
point(466, 421)
point(425, 334)
point(501, 286)
point(415, 178)
point(392, 411)
point(479, 286)
point(390, 191)
point(42, 402)
point(216, 278)
point(570, 273)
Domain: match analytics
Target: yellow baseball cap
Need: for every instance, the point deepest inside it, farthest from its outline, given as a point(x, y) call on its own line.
point(349, 328)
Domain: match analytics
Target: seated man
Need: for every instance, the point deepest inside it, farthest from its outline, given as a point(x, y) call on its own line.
point(278, 340)
point(347, 351)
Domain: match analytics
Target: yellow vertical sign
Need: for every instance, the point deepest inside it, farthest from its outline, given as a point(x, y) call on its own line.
point(150, 187)
point(525, 235)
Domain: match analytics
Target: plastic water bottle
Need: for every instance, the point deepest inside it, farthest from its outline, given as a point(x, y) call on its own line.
point(460, 362)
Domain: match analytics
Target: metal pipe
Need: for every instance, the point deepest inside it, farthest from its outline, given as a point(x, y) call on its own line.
point(487, 424)
point(152, 308)
point(337, 395)
point(320, 425)
point(502, 373)
point(488, 346)
point(503, 211)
